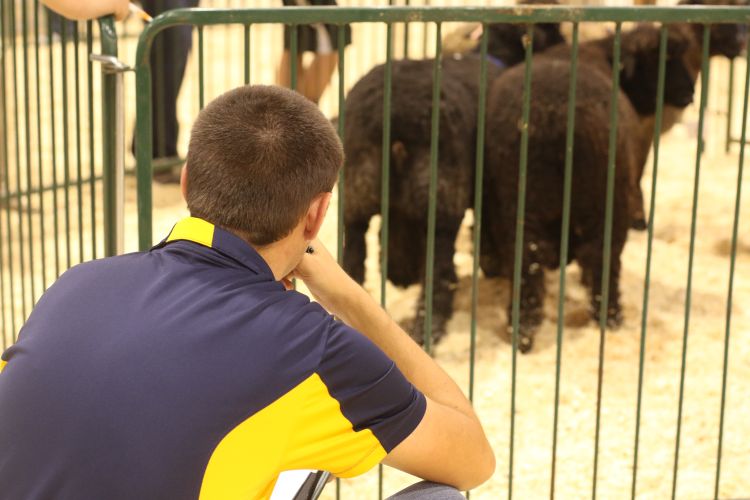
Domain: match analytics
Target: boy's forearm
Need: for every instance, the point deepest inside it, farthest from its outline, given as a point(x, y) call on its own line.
point(362, 313)
point(343, 297)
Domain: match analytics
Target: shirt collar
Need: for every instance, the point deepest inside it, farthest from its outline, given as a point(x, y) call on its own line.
point(208, 235)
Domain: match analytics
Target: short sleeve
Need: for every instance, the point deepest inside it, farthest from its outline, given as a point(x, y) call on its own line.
point(364, 408)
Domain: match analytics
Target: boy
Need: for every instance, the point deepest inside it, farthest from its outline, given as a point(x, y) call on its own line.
point(192, 371)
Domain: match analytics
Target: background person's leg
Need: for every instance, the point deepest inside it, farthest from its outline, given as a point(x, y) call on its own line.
point(168, 60)
point(322, 41)
point(284, 74)
point(427, 490)
point(318, 75)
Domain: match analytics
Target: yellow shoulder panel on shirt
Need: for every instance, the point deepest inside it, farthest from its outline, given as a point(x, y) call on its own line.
point(2, 365)
point(304, 429)
point(193, 229)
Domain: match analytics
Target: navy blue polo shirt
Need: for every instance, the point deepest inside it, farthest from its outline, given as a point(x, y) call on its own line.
point(188, 372)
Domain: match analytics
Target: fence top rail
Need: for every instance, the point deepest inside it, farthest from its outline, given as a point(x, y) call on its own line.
point(511, 14)
point(518, 14)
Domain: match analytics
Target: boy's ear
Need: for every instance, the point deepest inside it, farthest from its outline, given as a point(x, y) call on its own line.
point(316, 214)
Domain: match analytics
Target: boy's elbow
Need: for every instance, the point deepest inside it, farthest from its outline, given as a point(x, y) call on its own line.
point(484, 468)
point(488, 465)
point(479, 469)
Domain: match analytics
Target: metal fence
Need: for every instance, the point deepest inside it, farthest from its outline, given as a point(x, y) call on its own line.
point(409, 39)
point(731, 117)
point(57, 154)
point(612, 467)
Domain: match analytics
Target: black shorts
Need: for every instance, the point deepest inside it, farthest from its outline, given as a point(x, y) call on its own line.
point(307, 36)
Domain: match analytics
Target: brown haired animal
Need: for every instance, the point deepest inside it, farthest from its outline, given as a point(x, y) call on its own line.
point(726, 40)
point(505, 41)
point(409, 174)
point(546, 159)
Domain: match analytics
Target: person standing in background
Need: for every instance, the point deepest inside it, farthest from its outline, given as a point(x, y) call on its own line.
point(168, 59)
point(322, 40)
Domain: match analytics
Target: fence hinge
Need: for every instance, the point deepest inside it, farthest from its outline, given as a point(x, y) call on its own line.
point(114, 151)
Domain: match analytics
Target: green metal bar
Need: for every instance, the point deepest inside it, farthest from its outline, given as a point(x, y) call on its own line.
point(406, 35)
point(92, 163)
point(732, 261)
point(520, 223)
point(293, 54)
point(66, 139)
point(21, 251)
point(730, 106)
point(27, 133)
point(386, 162)
point(342, 173)
point(342, 113)
point(478, 183)
point(108, 41)
point(564, 241)
point(437, 73)
point(53, 141)
point(160, 90)
point(647, 279)
point(228, 68)
point(385, 184)
point(201, 69)
point(144, 144)
point(607, 247)
point(425, 36)
point(247, 54)
point(79, 144)
point(47, 188)
point(689, 287)
point(162, 164)
point(4, 174)
point(517, 14)
point(40, 162)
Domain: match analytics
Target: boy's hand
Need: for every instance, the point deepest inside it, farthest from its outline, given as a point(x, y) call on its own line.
point(327, 281)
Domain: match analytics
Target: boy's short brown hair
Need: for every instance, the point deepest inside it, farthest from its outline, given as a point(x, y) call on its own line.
point(258, 155)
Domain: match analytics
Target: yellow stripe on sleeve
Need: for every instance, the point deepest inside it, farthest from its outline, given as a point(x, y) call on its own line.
point(304, 429)
point(327, 440)
point(2, 365)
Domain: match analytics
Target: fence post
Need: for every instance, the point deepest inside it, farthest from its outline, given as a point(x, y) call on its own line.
point(113, 138)
point(730, 105)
